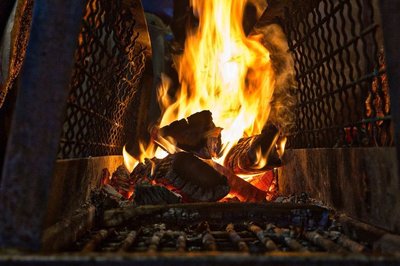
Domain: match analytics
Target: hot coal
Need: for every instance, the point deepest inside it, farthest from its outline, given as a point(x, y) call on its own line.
point(121, 181)
point(197, 134)
point(240, 188)
point(185, 174)
point(243, 157)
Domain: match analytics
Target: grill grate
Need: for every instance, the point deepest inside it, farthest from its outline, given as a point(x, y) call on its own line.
point(256, 229)
point(342, 88)
point(109, 64)
point(228, 238)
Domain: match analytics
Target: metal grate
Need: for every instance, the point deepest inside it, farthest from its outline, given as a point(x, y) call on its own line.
point(107, 73)
point(253, 229)
point(343, 97)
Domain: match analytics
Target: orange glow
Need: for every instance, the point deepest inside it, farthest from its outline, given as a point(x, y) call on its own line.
point(281, 143)
point(129, 162)
point(223, 71)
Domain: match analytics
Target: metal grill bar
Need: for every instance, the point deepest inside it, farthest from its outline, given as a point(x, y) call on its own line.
point(156, 238)
point(236, 239)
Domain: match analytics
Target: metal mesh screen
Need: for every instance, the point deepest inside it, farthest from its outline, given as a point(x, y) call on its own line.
point(107, 72)
point(343, 97)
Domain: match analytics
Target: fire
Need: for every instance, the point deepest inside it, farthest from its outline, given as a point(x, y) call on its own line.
point(150, 151)
point(223, 71)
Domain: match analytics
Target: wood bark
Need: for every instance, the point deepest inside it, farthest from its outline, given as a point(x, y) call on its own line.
point(185, 174)
point(196, 134)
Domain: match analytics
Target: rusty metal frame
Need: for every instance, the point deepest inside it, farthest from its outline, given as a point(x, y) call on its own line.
point(36, 125)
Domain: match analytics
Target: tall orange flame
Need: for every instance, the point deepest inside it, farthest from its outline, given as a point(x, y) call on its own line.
point(223, 71)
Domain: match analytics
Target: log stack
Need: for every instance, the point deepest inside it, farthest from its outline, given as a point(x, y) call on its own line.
point(188, 173)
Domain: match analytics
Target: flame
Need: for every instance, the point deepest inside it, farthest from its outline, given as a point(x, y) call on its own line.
point(129, 161)
point(262, 159)
point(146, 151)
point(223, 71)
point(281, 143)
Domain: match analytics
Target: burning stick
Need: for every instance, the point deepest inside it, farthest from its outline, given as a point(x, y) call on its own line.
point(255, 154)
point(243, 190)
point(186, 174)
point(196, 134)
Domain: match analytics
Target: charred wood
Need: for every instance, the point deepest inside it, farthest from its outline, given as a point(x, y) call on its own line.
point(196, 134)
point(185, 174)
point(148, 194)
point(121, 181)
point(243, 190)
point(243, 158)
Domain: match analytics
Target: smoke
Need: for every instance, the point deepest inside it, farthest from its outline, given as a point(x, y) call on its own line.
point(284, 98)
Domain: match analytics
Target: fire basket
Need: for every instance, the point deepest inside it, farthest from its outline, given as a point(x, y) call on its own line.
point(89, 177)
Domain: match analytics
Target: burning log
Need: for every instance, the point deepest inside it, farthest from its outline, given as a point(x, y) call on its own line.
point(148, 194)
point(243, 190)
point(186, 174)
point(255, 154)
point(196, 134)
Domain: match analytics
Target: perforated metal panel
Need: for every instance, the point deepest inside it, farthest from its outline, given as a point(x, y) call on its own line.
point(343, 95)
point(101, 113)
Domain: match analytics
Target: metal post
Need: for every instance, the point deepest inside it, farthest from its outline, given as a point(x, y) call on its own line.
point(37, 120)
point(390, 14)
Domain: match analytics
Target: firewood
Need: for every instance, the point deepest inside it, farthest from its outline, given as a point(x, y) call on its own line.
point(148, 194)
point(121, 181)
point(185, 174)
point(196, 134)
point(242, 158)
point(243, 190)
